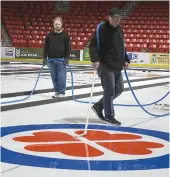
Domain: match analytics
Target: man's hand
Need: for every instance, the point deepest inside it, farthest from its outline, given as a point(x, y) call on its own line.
point(66, 61)
point(126, 65)
point(95, 65)
point(44, 62)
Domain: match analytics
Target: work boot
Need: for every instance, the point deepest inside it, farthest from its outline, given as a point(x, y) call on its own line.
point(112, 121)
point(98, 111)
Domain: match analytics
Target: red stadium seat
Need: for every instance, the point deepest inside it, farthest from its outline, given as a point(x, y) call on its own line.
point(153, 48)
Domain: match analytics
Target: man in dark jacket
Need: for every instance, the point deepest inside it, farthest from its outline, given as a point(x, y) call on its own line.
point(109, 61)
point(56, 54)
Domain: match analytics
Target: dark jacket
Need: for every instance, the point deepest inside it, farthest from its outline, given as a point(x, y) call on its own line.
point(111, 48)
point(57, 45)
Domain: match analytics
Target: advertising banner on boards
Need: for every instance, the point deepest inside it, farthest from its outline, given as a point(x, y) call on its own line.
point(159, 58)
point(7, 52)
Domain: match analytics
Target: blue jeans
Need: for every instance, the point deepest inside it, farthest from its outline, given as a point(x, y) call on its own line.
point(57, 69)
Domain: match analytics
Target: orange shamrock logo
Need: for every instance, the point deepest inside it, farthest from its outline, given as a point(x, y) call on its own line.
point(54, 141)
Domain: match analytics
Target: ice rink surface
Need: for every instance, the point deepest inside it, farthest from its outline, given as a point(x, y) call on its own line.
point(38, 136)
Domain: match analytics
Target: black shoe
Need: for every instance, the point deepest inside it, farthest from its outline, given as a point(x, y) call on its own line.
point(97, 109)
point(112, 121)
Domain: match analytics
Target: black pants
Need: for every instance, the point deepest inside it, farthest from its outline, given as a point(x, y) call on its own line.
point(113, 85)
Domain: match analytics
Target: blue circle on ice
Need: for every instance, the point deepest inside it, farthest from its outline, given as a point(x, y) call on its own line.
point(12, 157)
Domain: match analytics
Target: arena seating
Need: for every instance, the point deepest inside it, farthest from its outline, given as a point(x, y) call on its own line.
point(29, 26)
point(82, 18)
point(27, 23)
point(147, 26)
